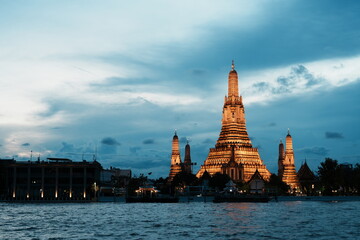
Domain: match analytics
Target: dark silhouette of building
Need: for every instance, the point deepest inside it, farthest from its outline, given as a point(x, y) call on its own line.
point(53, 179)
point(187, 161)
point(307, 179)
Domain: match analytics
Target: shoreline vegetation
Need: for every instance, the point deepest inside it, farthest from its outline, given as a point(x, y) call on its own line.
point(331, 182)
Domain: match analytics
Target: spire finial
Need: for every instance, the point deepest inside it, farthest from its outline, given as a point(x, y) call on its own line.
point(232, 65)
point(175, 132)
point(289, 131)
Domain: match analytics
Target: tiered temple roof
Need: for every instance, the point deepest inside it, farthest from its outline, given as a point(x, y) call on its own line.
point(234, 143)
point(176, 165)
point(287, 171)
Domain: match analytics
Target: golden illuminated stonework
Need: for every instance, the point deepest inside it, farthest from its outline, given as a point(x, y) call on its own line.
point(286, 162)
point(176, 165)
point(233, 153)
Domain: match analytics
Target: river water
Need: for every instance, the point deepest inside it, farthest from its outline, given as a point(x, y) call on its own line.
point(198, 220)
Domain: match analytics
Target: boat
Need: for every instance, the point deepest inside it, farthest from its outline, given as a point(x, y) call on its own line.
point(149, 194)
point(232, 194)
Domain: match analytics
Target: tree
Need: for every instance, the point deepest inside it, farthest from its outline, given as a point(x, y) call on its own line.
point(184, 179)
point(135, 183)
point(219, 180)
point(329, 175)
point(278, 185)
point(356, 183)
point(162, 184)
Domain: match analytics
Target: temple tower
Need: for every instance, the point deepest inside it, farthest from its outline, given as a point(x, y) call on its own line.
point(281, 159)
point(287, 171)
point(187, 159)
point(176, 165)
point(234, 136)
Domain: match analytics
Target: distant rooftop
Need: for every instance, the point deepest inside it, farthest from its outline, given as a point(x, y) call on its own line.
point(59, 159)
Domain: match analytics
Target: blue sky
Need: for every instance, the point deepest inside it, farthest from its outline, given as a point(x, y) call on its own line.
point(117, 78)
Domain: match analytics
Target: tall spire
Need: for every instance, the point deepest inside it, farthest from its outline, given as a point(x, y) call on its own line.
point(176, 165)
point(187, 159)
point(289, 143)
point(233, 82)
point(281, 159)
point(233, 133)
point(175, 155)
point(287, 166)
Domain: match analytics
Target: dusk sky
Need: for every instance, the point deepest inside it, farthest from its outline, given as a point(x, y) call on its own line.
point(116, 78)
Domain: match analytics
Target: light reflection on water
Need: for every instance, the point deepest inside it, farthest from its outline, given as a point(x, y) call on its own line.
point(274, 220)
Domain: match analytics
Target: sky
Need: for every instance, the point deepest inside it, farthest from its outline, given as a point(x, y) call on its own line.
point(114, 79)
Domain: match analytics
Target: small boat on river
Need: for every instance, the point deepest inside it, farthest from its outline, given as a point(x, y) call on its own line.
point(232, 194)
point(149, 194)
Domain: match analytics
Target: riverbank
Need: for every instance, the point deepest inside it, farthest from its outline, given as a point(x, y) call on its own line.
point(205, 199)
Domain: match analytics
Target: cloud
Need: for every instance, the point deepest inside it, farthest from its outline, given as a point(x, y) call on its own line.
point(183, 140)
point(68, 148)
point(261, 86)
point(25, 144)
point(321, 151)
point(333, 135)
point(208, 141)
point(198, 72)
point(109, 146)
point(149, 141)
point(110, 141)
point(172, 76)
point(264, 86)
point(148, 163)
point(134, 150)
point(298, 74)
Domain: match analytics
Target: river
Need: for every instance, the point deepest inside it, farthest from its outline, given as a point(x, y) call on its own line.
point(197, 220)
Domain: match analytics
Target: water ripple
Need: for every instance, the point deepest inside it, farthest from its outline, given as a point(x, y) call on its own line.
point(282, 220)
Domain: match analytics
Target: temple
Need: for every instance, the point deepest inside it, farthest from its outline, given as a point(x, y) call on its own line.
point(233, 153)
point(187, 160)
point(286, 164)
point(176, 164)
point(307, 179)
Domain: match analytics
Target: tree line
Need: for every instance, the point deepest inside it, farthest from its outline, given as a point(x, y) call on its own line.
point(331, 178)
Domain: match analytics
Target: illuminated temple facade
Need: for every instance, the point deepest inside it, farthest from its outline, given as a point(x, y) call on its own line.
point(234, 154)
point(286, 164)
point(177, 165)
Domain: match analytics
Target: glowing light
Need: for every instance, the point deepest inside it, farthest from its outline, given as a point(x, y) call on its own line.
point(27, 195)
point(56, 194)
point(14, 194)
point(70, 194)
point(84, 194)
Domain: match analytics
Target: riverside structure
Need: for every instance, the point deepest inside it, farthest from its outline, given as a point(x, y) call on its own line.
point(234, 154)
point(54, 179)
